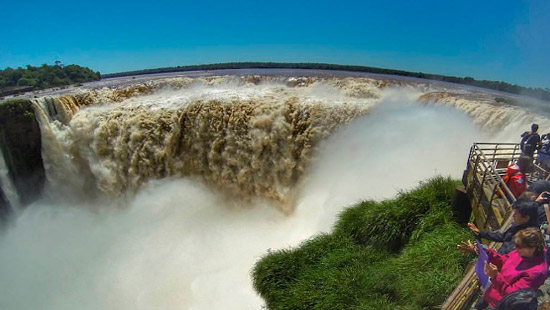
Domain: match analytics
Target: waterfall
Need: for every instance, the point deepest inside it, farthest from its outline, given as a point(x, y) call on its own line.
point(249, 141)
point(505, 122)
point(7, 185)
point(175, 149)
point(250, 137)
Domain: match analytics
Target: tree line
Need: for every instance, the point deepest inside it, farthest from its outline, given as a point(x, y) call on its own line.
point(45, 76)
point(33, 78)
point(538, 93)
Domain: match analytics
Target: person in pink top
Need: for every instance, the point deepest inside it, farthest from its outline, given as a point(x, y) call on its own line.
point(523, 268)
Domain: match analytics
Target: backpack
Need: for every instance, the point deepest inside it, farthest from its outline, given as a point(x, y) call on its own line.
point(514, 180)
point(528, 144)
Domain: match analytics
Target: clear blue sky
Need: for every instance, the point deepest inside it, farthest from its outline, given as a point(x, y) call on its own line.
point(497, 40)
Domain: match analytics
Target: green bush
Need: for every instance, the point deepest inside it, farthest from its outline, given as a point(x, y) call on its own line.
point(279, 269)
point(370, 260)
point(336, 280)
point(431, 267)
point(15, 108)
point(45, 76)
point(389, 224)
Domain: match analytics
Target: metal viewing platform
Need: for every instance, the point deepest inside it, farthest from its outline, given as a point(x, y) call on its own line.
point(490, 201)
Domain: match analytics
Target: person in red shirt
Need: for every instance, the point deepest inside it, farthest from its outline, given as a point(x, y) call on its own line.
point(515, 176)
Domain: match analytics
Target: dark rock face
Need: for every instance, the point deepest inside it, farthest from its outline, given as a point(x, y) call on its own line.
point(4, 207)
point(21, 145)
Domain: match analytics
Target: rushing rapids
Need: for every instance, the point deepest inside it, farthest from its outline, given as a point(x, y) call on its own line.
point(505, 121)
point(249, 137)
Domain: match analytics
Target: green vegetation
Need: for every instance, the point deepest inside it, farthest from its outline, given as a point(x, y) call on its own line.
point(394, 254)
point(18, 80)
point(538, 93)
point(15, 108)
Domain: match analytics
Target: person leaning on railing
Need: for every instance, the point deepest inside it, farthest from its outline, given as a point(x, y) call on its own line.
point(525, 215)
point(523, 268)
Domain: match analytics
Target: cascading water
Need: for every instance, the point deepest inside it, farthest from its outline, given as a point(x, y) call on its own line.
point(503, 121)
point(7, 185)
point(249, 141)
point(175, 149)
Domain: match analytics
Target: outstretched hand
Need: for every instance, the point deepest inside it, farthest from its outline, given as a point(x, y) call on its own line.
point(542, 197)
point(473, 228)
point(467, 247)
point(490, 270)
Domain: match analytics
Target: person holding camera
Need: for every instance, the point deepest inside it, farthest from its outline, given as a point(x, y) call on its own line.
point(544, 218)
point(524, 268)
point(544, 211)
point(525, 215)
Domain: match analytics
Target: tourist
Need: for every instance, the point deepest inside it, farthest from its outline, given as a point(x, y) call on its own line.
point(523, 268)
point(530, 141)
point(525, 215)
point(515, 177)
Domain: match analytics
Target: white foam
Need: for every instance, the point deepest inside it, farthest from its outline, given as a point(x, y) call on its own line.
point(179, 246)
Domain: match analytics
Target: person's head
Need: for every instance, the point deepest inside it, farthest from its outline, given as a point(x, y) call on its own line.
point(534, 127)
point(529, 242)
point(519, 300)
point(525, 212)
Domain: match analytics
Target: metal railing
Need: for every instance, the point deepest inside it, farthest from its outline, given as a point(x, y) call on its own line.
point(490, 198)
point(491, 202)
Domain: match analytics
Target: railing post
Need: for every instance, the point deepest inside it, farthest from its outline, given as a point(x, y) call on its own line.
point(477, 163)
point(482, 193)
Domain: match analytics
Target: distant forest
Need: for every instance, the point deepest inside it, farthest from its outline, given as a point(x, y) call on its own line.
point(13, 81)
point(538, 93)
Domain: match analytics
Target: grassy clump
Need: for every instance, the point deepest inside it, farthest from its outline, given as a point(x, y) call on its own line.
point(431, 267)
point(276, 271)
point(389, 224)
point(395, 254)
